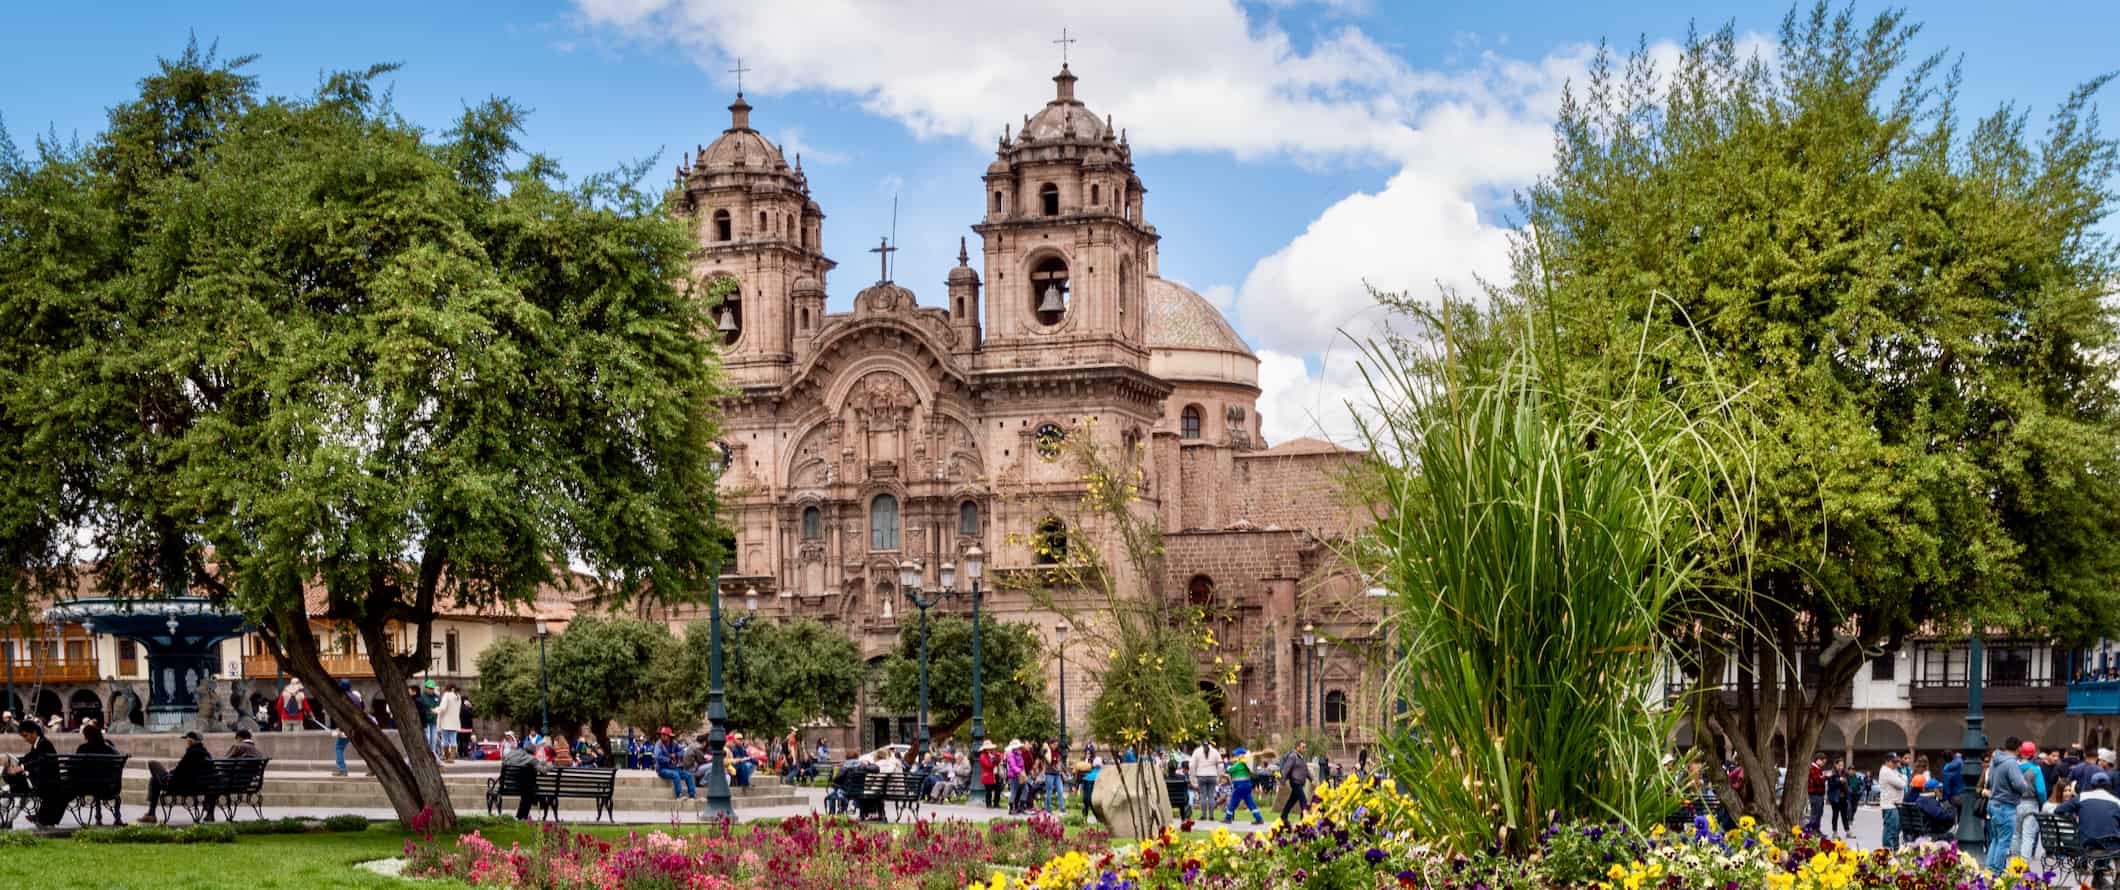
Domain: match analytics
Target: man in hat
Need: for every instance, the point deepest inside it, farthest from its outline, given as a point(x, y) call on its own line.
point(190, 772)
point(1940, 816)
point(244, 746)
point(669, 764)
point(741, 761)
point(2097, 815)
point(1240, 787)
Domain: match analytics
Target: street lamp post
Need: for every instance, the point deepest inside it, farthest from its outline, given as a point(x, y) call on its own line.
point(7, 655)
point(718, 804)
point(1317, 677)
point(1060, 642)
point(1310, 638)
point(1976, 739)
point(544, 692)
point(974, 564)
point(909, 581)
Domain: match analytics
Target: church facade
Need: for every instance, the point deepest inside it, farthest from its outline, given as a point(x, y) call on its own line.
point(910, 432)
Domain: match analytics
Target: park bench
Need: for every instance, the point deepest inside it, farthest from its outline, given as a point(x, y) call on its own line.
point(1180, 793)
point(593, 783)
point(1681, 818)
point(93, 781)
point(234, 782)
point(901, 790)
point(1915, 824)
point(14, 805)
point(2061, 839)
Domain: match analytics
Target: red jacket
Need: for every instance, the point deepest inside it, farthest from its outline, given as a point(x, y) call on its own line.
point(1818, 781)
point(988, 760)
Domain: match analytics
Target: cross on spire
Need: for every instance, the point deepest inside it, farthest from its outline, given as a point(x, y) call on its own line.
point(1064, 41)
point(739, 72)
point(883, 251)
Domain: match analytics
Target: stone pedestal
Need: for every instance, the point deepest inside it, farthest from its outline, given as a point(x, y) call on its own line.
point(1130, 799)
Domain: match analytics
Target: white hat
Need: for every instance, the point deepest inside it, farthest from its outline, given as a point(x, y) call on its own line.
point(2105, 754)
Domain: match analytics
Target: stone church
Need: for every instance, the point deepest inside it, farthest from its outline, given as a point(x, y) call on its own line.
point(903, 431)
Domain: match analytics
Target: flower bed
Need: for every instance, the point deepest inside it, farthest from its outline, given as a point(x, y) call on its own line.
point(795, 854)
point(1355, 838)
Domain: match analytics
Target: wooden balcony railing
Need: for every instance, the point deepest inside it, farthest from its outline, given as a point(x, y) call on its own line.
point(55, 670)
point(337, 664)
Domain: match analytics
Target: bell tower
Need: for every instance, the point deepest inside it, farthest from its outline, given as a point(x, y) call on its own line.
point(1067, 250)
point(757, 225)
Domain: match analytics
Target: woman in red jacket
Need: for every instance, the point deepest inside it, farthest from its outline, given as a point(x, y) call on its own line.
point(989, 761)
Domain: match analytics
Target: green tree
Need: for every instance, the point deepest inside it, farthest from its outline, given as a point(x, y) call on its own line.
point(1011, 667)
point(273, 345)
point(785, 675)
point(507, 682)
point(1915, 311)
point(600, 668)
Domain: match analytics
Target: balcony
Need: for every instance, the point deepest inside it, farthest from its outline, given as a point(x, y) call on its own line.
point(1996, 696)
point(2094, 697)
point(338, 664)
point(55, 670)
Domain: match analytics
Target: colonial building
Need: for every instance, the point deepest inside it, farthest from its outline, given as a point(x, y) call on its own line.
point(902, 431)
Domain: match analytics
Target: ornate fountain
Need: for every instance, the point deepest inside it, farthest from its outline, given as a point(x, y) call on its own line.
point(180, 635)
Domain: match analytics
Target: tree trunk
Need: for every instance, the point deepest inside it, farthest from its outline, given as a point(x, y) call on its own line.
point(294, 647)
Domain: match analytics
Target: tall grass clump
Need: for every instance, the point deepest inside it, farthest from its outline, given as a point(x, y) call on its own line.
point(1534, 539)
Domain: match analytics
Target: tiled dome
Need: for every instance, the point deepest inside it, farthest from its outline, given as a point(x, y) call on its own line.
point(1181, 319)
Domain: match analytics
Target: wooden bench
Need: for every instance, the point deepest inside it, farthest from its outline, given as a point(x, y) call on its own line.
point(93, 780)
point(234, 782)
point(593, 783)
point(901, 790)
point(1681, 818)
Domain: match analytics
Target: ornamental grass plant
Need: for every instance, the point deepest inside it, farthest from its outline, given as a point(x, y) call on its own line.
point(1534, 538)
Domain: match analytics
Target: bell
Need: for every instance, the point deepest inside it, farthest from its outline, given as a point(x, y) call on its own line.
point(728, 322)
point(1052, 302)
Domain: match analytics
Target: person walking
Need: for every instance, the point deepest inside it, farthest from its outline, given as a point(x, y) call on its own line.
point(1891, 789)
point(293, 707)
point(2006, 786)
point(1838, 794)
point(1295, 770)
point(1012, 771)
point(1239, 769)
point(1207, 776)
point(1055, 776)
point(338, 734)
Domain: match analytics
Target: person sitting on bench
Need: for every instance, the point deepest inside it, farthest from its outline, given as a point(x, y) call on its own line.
point(192, 770)
point(93, 742)
point(528, 767)
point(37, 772)
point(2097, 815)
point(1938, 814)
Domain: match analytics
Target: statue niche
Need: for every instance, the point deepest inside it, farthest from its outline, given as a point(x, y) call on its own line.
point(883, 404)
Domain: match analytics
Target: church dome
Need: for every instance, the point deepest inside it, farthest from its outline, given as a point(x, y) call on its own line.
point(1189, 340)
point(806, 285)
point(741, 146)
point(1065, 118)
point(1181, 319)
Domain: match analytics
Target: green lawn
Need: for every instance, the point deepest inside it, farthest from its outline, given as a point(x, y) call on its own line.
point(253, 862)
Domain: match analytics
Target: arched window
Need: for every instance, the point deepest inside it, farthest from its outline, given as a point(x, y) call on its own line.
point(1048, 440)
point(1335, 706)
point(1200, 591)
point(1189, 423)
point(997, 201)
point(1049, 290)
point(721, 225)
point(1049, 199)
point(968, 518)
point(1049, 546)
point(883, 523)
point(761, 223)
point(812, 524)
point(803, 318)
point(1096, 195)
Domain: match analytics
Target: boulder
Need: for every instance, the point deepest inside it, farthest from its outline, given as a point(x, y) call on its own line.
point(1130, 799)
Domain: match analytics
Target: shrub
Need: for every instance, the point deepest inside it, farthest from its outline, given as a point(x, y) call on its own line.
point(346, 822)
point(17, 839)
point(289, 825)
point(158, 834)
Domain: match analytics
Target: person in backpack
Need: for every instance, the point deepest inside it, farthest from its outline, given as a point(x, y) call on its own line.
point(1240, 786)
point(1295, 770)
point(2028, 805)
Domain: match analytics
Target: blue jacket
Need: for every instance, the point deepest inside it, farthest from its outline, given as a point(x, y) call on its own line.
point(2097, 815)
point(2005, 782)
point(667, 756)
point(1954, 777)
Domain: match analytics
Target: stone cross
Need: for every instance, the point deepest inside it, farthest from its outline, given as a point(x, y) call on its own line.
point(739, 72)
point(883, 251)
point(1063, 41)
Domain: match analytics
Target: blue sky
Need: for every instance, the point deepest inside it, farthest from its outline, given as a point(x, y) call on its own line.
point(1292, 150)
